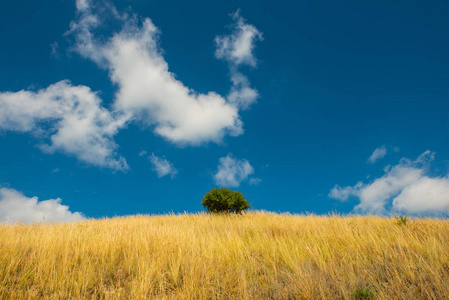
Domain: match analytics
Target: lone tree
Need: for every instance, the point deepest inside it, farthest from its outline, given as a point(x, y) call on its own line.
point(224, 201)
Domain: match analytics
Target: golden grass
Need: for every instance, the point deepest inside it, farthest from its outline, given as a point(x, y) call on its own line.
point(258, 255)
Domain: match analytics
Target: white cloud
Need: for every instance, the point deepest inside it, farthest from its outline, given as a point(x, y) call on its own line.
point(237, 48)
point(162, 166)
point(241, 94)
point(148, 92)
point(15, 207)
point(71, 117)
point(426, 194)
point(74, 122)
point(255, 181)
point(343, 194)
point(379, 153)
point(405, 187)
point(231, 171)
point(142, 153)
point(82, 4)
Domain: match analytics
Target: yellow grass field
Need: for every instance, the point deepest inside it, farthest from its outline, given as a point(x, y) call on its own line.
point(258, 255)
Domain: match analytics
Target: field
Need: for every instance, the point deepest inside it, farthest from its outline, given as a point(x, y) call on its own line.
point(258, 255)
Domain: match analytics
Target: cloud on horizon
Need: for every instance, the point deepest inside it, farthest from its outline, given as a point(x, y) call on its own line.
point(16, 207)
point(404, 188)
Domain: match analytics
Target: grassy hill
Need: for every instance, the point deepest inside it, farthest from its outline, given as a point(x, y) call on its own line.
point(257, 255)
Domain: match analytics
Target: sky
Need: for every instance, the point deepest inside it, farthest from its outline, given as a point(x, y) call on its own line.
point(113, 108)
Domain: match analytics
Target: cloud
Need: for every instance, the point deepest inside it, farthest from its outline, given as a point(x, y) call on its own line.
point(255, 181)
point(405, 187)
point(231, 171)
point(82, 4)
point(379, 153)
point(70, 118)
point(344, 193)
point(54, 50)
point(15, 207)
point(148, 92)
point(162, 166)
point(237, 48)
point(426, 194)
point(241, 94)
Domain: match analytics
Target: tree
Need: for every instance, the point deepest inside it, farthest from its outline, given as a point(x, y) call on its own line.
point(224, 201)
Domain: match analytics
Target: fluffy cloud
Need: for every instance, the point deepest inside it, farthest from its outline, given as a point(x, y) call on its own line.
point(162, 166)
point(241, 94)
point(426, 194)
point(405, 187)
point(237, 48)
point(379, 153)
point(148, 92)
point(70, 117)
point(231, 171)
point(15, 207)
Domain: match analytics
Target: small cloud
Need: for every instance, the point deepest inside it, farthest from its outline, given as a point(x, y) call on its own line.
point(16, 207)
point(54, 50)
point(379, 153)
point(396, 149)
point(237, 49)
point(231, 171)
point(343, 194)
point(142, 153)
point(55, 170)
point(255, 181)
point(162, 166)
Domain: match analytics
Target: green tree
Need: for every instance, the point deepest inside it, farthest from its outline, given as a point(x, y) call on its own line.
point(224, 201)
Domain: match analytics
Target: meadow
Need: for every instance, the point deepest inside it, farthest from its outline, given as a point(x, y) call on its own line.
point(256, 255)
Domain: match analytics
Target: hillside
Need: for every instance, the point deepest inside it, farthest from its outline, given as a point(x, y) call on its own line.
point(258, 255)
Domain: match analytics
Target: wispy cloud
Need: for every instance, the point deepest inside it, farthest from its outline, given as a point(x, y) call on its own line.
point(162, 166)
point(237, 48)
point(16, 207)
point(54, 49)
point(231, 171)
point(255, 181)
point(378, 154)
point(404, 187)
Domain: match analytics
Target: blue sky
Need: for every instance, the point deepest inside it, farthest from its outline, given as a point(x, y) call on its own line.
point(117, 108)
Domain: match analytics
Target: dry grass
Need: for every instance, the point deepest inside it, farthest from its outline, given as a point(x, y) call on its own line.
point(258, 255)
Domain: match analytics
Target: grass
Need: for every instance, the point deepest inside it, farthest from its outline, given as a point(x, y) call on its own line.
point(258, 255)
